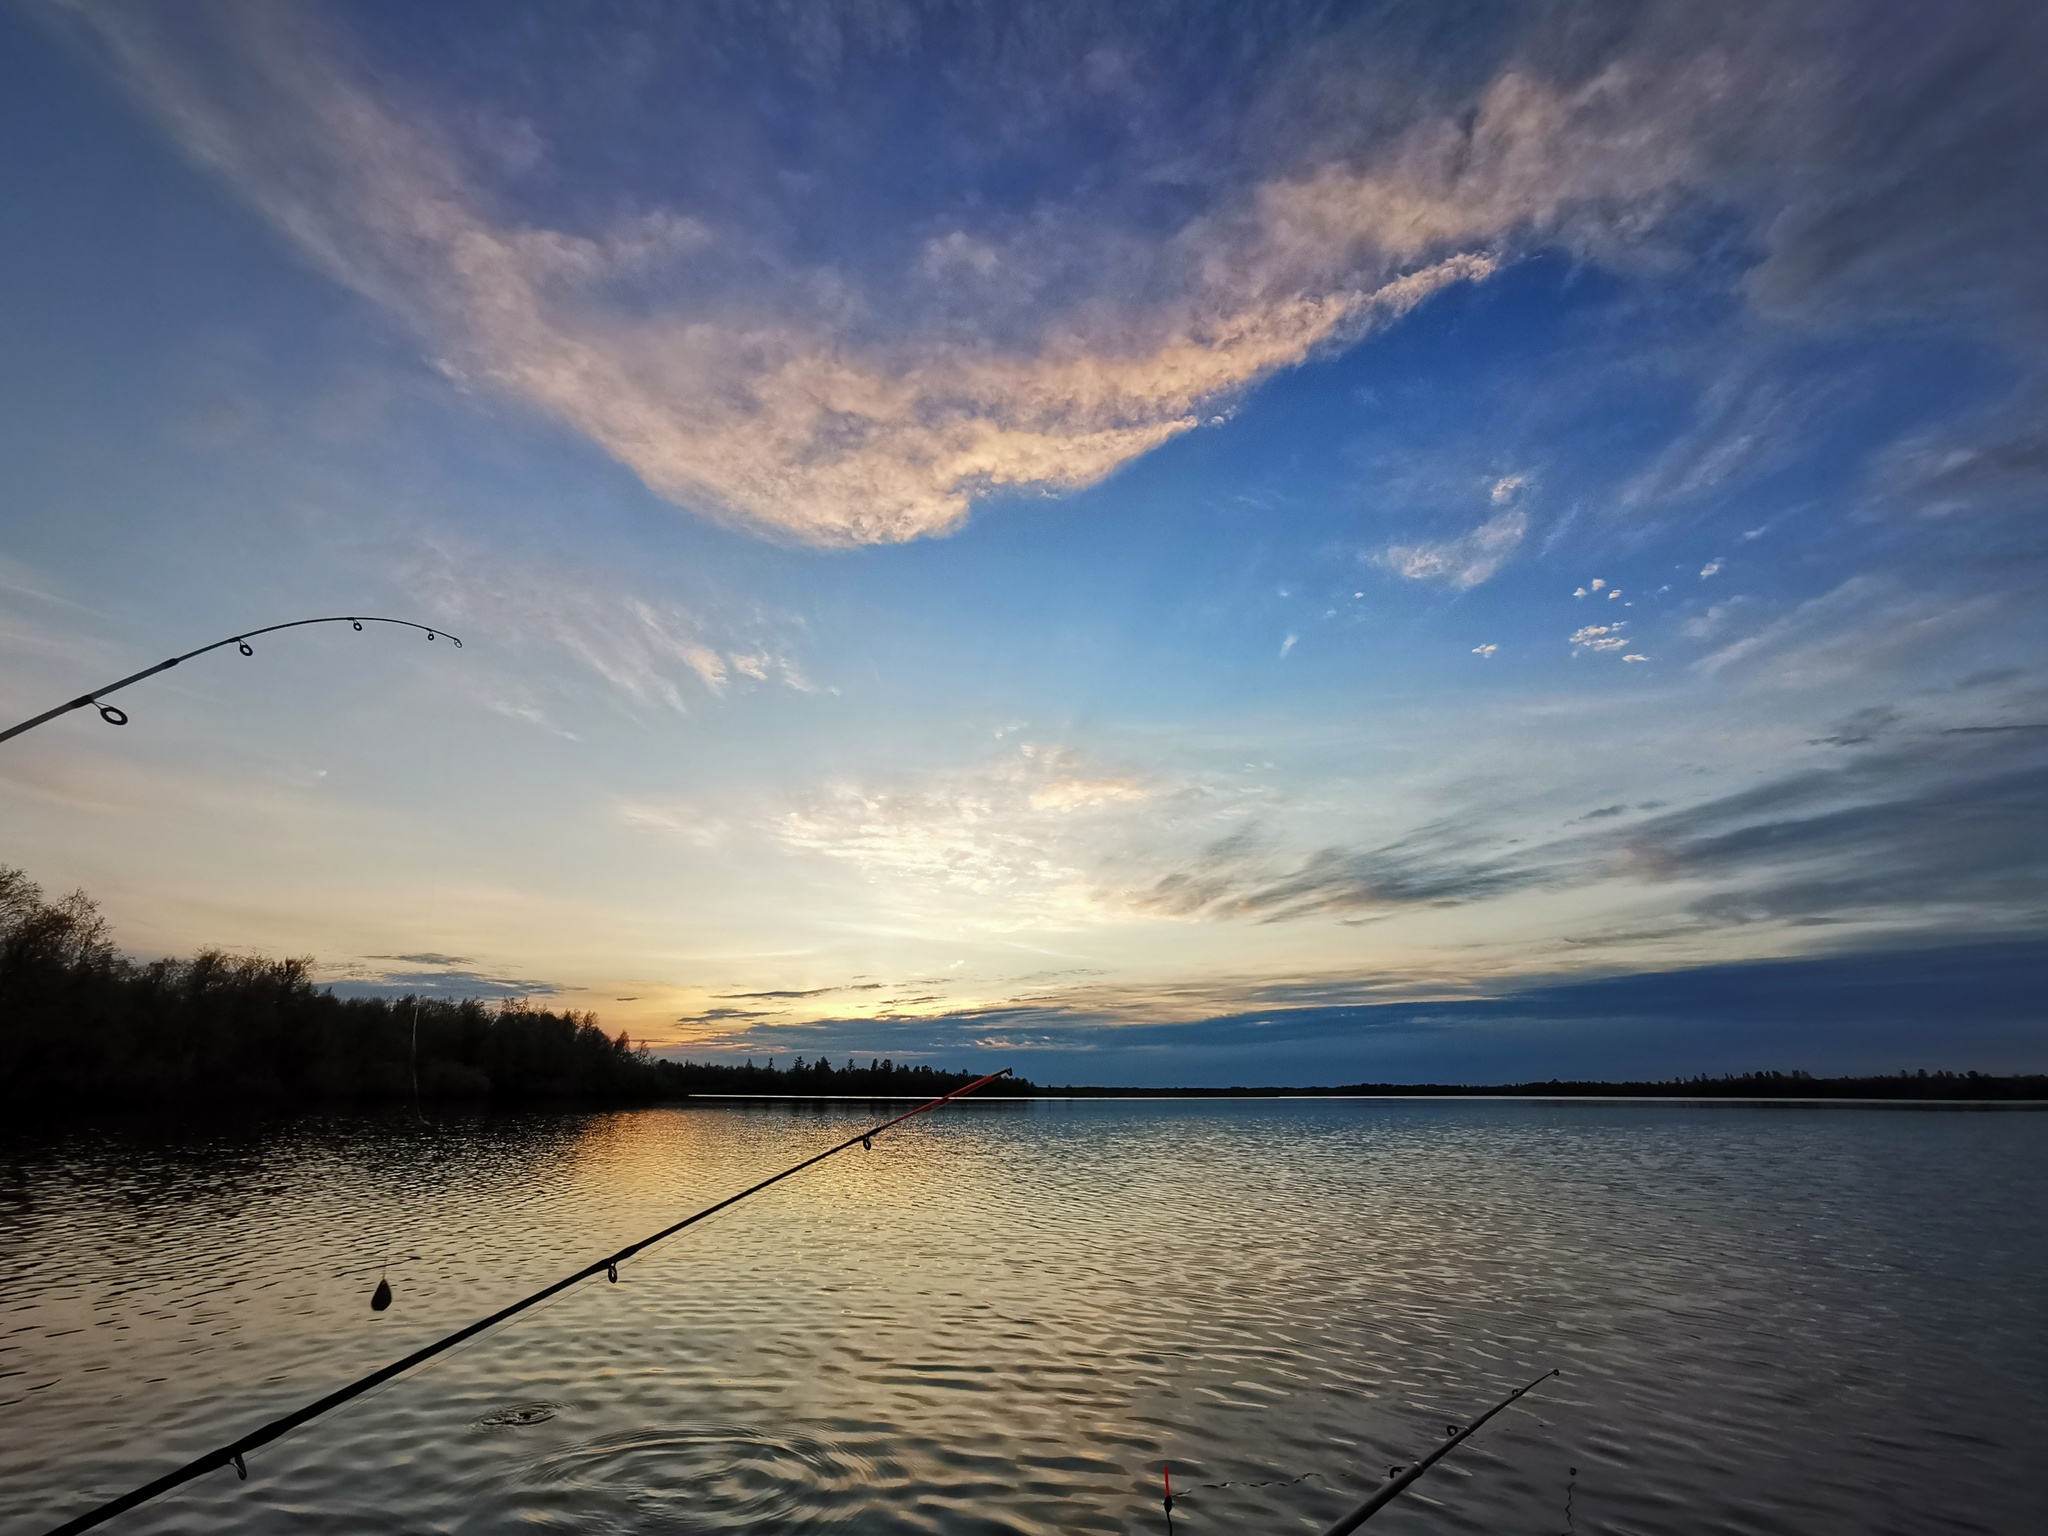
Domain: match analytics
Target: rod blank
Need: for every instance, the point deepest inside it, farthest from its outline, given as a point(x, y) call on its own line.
point(1405, 1480)
point(114, 716)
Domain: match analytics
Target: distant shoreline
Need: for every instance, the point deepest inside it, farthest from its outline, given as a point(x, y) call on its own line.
point(2027, 1092)
point(884, 1083)
point(84, 1028)
point(1145, 1095)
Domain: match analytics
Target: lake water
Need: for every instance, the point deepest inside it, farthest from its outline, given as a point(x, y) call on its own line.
point(1007, 1316)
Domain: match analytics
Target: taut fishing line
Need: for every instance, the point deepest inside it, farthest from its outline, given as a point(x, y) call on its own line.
point(381, 1296)
point(427, 929)
point(235, 1452)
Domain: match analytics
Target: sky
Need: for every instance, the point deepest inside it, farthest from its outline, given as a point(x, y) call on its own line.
point(1146, 543)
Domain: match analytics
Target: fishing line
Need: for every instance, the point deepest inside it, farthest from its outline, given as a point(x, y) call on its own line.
point(116, 716)
point(348, 1274)
point(1172, 1498)
point(1271, 1482)
point(380, 1297)
point(233, 1454)
point(433, 912)
point(416, 1109)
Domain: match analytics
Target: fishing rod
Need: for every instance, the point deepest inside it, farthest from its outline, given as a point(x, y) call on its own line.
point(232, 1454)
point(114, 715)
point(1404, 1480)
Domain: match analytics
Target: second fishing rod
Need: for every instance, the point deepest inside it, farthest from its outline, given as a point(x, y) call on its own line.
point(234, 1453)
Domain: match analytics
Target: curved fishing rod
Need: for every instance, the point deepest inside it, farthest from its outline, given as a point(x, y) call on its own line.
point(117, 716)
point(1403, 1480)
point(231, 1454)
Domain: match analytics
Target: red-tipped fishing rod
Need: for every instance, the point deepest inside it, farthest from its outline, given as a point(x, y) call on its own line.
point(1404, 1479)
point(114, 715)
point(231, 1454)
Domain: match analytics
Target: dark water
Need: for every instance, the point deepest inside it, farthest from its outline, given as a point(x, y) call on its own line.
point(1006, 1318)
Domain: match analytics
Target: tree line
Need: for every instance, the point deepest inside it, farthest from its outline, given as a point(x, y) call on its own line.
point(1904, 1085)
point(82, 1025)
point(818, 1078)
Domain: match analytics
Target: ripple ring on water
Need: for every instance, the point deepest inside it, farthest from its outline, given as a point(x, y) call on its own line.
point(516, 1415)
point(720, 1477)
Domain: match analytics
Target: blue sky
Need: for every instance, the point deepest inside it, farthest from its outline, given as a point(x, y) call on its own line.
point(1073, 535)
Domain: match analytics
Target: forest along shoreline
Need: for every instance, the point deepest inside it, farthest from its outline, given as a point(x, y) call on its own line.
point(83, 1027)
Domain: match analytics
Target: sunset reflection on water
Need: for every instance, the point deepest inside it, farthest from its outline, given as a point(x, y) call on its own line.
point(1008, 1316)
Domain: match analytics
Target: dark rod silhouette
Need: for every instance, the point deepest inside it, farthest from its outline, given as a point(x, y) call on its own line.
point(115, 716)
point(1404, 1480)
point(231, 1454)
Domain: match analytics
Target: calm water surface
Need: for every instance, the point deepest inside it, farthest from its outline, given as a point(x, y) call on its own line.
point(1005, 1319)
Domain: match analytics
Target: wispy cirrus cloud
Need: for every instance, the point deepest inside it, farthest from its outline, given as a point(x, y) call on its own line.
point(650, 652)
point(784, 410)
point(841, 403)
point(1943, 819)
point(775, 416)
point(1860, 627)
point(1462, 562)
point(1922, 831)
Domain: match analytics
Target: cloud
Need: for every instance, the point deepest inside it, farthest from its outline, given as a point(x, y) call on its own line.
point(875, 399)
point(771, 413)
point(1598, 637)
point(1717, 619)
point(1996, 465)
point(1462, 562)
point(442, 981)
point(1071, 794)
point(652, 652)
point(1859, 1010)
point(1863, 627)
point(1860, 728)
point(1017, 842)
point(727, 1016)
point(1915, 835)
point(1946, 829)
point(786, 994)
point(821, 404)
point(1485, 650)
point(1750, 418)
point(1904, 193)
point(1440, 864)
point(1711, 568)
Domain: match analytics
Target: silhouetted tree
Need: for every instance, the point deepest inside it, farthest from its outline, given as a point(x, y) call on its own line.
point(80, 1023)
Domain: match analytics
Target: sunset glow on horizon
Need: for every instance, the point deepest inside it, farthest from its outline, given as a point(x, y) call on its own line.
point(1206, 544)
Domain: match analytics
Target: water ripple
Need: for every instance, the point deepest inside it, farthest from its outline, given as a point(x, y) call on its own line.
point(692, 1478)
point(1007, 1319)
